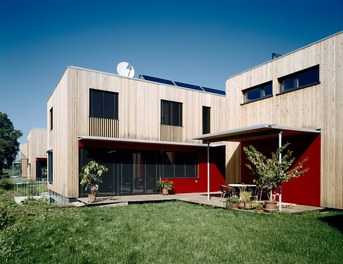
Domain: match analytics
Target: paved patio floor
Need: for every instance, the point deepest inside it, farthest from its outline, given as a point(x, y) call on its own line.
point(197, 198)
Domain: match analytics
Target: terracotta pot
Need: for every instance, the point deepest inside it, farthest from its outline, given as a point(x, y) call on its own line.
point(240, 205)
point(91, 198)
point(234, 205)
point(247, 205)
point(270, 206)
point(165, 191)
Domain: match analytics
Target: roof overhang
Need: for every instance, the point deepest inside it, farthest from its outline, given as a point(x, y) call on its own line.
point(140, 141)
point(257, 132)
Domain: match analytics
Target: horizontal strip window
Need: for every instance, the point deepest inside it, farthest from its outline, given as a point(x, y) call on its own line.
point(299, 79)
point(171, 113)
point(258, 92)
point(103, 104)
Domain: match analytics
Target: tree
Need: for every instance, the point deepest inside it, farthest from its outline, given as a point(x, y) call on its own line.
point(9, 144)
point(270, 173)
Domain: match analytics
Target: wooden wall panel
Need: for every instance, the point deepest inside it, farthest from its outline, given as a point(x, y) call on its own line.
point(36, 147)
point(103, 127)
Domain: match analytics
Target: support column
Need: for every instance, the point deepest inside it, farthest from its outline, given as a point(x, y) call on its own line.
point(280, 159)
point(208, 170)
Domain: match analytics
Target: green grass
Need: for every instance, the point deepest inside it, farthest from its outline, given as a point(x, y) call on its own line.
point(169, 232)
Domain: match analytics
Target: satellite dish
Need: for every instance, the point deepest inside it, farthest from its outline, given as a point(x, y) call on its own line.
point(125, 69)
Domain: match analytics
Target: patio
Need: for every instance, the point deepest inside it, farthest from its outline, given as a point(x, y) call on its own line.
point(196, 198)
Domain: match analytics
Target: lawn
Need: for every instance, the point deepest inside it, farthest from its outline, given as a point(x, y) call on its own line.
point(168, 232)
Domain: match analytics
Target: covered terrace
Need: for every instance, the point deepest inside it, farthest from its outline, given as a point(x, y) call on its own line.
point(305, 142)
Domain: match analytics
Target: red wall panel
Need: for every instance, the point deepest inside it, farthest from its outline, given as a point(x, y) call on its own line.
point(305, 189)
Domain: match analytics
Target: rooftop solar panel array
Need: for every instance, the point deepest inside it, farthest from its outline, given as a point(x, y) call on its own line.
point(181, 84)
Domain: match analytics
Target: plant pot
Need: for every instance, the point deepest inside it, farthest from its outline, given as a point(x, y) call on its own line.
point(91, 198)
point(260, 210)
point(247, 205)
point(240, 205)
point(234, 205)
point(270, 206)
point(165, 191)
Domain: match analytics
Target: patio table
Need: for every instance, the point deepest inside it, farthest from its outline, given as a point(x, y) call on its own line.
point(241, 186)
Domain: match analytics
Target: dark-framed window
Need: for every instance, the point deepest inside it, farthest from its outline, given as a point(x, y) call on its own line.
point(179, 164)
point(103, 104)
point(171, 113)
point(51, 117)
point(206, 119)
point(50, 167)
point(261, 91)
point(301, 79)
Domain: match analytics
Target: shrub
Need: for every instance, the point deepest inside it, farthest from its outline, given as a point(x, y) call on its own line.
point(7, 184)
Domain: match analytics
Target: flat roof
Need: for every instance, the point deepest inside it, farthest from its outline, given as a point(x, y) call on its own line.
point(142, 141)
point(255, 132)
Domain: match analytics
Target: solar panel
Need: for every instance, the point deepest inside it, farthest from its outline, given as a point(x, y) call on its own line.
point(215, 91)
point(155, 79)
point(189, 86)
point(181, 84)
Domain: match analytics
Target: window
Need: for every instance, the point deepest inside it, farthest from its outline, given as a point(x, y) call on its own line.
point(103, 104)
point(258, 92)
point(179, 165)
point(171, 113)
point(50, 167)
point(206, 120)
point(300, 79)
point(51, 115)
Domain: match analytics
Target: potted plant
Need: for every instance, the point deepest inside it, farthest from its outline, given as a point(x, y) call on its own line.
point(165, 186)
point(245, 198)
point(232, 202)
point(257, 206)
point(91, 177)
point(270, 173)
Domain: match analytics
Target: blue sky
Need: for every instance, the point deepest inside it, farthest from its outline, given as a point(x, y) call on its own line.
point(199, 42)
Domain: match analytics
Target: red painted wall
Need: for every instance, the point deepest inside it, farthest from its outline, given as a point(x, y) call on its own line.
point(181, 185)
point(305, 189)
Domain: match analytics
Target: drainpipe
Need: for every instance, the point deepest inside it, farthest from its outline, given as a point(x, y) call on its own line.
point(280, 160)
point(208, 170)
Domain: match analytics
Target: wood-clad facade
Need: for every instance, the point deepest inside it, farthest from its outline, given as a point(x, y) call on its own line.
point(318, 105)
point(33, 154)
point(302, 89)
point(137, 117)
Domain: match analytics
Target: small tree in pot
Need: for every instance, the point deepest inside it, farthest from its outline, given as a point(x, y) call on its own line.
point(91, 177)
point(270, 173)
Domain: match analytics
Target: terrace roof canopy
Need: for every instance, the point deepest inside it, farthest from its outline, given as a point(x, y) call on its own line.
point(257, 132)
point(250, 133)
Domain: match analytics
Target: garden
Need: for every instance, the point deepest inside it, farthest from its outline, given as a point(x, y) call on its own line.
point(166, 232)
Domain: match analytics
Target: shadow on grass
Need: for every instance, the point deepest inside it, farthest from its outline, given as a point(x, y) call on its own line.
point(335, 221)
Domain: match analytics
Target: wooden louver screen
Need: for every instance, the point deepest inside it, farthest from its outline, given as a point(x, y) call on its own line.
point(103, 127)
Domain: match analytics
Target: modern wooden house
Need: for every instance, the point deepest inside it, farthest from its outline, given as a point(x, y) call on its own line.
point(33, 154)
point(141, 129)
point(150, 128)
point(297, 97)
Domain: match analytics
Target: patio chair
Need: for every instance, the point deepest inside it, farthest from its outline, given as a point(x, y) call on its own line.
point(226, 191)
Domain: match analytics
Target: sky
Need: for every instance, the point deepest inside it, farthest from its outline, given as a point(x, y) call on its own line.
point(199, 42)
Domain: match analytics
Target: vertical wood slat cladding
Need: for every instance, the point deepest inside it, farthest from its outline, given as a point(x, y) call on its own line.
point(103, 127)
point(171, 133)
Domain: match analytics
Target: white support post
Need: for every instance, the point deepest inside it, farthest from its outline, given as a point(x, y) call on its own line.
point(208, 171)
point(280, 160)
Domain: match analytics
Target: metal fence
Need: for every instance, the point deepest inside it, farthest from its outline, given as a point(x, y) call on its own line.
point(31, 188)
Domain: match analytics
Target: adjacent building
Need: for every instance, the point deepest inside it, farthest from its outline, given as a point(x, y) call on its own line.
point(33, 155)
